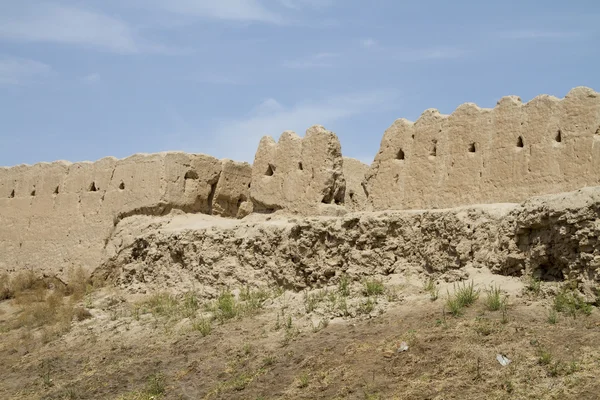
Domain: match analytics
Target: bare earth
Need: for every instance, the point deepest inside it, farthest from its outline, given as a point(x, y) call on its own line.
point(335, 343)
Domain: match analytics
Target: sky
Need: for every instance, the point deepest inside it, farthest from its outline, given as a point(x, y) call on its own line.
point(81, 80)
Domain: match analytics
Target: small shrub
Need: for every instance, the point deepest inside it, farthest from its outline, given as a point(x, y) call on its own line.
point(429, 284)
point(373, 288)
point(343, 307)
point(494, 300)
point(434, 294)
point(203, 326)
point(466, 295)
point(311, 301)
point(189, 305)
point(552, 317)
point(155, 385)
point(254, 298)
point(544, 357)
point(366, 307)
point(455, 307)
point(162, 304)
point(344, 285)
point(534, 286)
point(227, 307)
point(504, 319)
point(571, 303)
point(303, 380)
point(22, 281)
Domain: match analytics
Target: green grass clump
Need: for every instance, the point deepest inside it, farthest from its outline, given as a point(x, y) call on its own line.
point(463, 297)
point(430, 287)
point(312, 300)
point(534, 286)
point(226, 307)
point(154, 390)
point(344, 285)
point(466, 295)
point(203, 326)
point(162, 304)
point(366, 307)
point(494, 300)
point(373, 288)
point(454, 306)
point(552, 316)
point(571, 303)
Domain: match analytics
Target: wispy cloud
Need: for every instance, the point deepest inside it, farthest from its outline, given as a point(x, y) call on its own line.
point(319, 60)
point(49, 23)
point(18, 71)
point(368, 43)
point(425, 54)
point(299, 4)
point(239, 138)
point(235, 10)
point(538, 34)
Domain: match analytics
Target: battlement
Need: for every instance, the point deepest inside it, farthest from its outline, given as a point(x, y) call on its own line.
point(61, 214)
point(477, 155)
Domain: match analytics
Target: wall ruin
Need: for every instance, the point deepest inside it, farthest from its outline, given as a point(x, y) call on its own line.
point(54, 216)
point(59, 215)
point(298, 174)
point(505, 154)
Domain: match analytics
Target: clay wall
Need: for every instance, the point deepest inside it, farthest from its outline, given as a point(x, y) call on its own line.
point(505, 154)
point(299, 175)
point(54, 216)
point(355, 198)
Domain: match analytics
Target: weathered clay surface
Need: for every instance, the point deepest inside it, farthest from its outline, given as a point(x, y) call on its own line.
point(354, 173)
point(232, 189)
point(552, 237)
point(297, 174)
point(475, 155)
point(54, 216)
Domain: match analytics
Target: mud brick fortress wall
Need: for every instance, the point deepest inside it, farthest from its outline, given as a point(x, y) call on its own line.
point(60, 215)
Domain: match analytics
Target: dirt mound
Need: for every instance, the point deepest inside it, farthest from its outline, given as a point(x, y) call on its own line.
point(550, 238)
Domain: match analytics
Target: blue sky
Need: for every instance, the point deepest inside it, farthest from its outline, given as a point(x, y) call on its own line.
point(80, 80)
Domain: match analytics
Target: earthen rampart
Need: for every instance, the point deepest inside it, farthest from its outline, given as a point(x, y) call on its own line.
point(54, 216)
point(505, 154)
point(59, 215)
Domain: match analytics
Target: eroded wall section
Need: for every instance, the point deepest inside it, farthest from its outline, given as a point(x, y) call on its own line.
point(354, 172)
point(54, 216)
point(475, 155)
point(296, 174)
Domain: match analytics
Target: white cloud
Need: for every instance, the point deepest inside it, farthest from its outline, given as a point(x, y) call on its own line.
point(298, 4)
point(368, 43)
point(236, 10)
point(319, 60)
point(17, 71)
point(538, 34)
point(58, 24)
point(238, 139)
